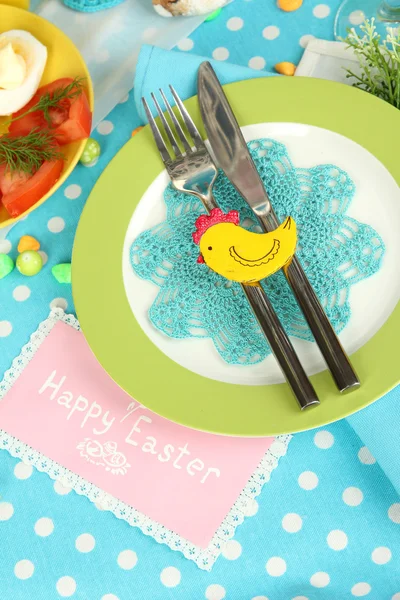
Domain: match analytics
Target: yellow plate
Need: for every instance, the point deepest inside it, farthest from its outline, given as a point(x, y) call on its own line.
point(63, 60)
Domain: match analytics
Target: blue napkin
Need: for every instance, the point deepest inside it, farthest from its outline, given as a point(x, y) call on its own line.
point(378, 426)
point(157, 68)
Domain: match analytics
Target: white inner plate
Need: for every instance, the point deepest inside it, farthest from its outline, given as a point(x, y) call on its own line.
point(376, 202)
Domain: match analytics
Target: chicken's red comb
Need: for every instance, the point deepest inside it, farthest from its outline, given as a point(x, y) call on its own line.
point(215, 217)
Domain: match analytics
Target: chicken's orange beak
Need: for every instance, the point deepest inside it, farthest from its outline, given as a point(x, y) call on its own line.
point(200, 259)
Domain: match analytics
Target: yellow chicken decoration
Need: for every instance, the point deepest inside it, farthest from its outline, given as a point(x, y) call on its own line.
point(238, 254)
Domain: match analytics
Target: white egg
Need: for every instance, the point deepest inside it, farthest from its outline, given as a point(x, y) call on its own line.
point(34, 53)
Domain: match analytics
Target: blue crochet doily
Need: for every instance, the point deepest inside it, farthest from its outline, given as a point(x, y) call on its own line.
point(335, 250)
point(90, 6)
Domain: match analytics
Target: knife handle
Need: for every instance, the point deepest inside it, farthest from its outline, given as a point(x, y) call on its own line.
point(281, 346)
point(335, 356)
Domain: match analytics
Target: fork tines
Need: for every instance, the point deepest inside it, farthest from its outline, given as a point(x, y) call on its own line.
point(179, 135)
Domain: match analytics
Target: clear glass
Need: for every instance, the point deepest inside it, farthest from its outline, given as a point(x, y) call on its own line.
point(352, 13)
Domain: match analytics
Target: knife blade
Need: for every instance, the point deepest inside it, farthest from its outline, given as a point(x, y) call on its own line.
point(232, 154)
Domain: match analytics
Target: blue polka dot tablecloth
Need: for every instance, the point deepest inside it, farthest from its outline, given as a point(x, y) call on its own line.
point(327, 525)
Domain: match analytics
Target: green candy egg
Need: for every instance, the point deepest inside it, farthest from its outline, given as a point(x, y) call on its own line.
point(29, 263)
point(214, 15)
point(90, 152)
point(6, 265)
point(62, 272)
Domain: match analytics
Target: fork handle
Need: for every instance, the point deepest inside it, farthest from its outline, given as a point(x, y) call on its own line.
point(281, 346)
point(335, 356)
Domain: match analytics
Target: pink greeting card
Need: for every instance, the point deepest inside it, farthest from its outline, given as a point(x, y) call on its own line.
point(187, 488)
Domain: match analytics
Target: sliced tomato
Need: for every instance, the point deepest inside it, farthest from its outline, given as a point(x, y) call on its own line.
point(21, 191)
point(70, 121)
point(11, 181)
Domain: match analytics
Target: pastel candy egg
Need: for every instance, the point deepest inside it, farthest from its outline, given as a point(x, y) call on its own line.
point(6, 265)
point(29, 263)
point(289, 5)
point(27, 242)
point(285, 68)
point(90, 152)
point(136, 131)
point(214, 15)
point(62, 273)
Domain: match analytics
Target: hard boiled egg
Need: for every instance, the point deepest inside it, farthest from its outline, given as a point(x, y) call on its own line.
point(22, 62)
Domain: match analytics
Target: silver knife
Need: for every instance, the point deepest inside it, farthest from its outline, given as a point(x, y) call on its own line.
point(233, 156)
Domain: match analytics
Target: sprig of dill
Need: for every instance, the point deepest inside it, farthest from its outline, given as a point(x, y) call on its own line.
point(55, 98)
point(27, 153)
point(379, 62)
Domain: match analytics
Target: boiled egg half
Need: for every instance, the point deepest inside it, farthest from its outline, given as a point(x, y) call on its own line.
point(22, 62)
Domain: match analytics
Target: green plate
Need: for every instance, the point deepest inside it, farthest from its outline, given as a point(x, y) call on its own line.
point(120, 344)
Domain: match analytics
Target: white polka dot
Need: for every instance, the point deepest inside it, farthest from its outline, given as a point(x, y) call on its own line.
point(5, 328)
point(61, 489)
point(365, 456)
point(59, 303)
point(85, 543)
point(21, 293)
point(357, 17)
point(292, 522)
point(260, 598)
point(186, 44)
point(320, 579)
point(23, 471)
point(44, 527)
point(105, 127)
point(271, 32)
point(73, 191)
point(127, 559)
point(394, 513)
point(337, 539)
point(215, 592)
point(300, 598)
point(396, 596)
point(352, 496)
point(321, 11)
point(381, 555)
point(102, 56)
point(220, 53)
point(44, 256)
point(149, 33)
point(66, 586)
point(5, 246)
point(232, 550)
point(251, 508)
point(276, 566)
point(324, 440)
point(308, 480)
point(56, 224)
point(235, 23)
point(305, 39)
point(257, 62)
point(361, 589)
point(170, 577)
point(24, 569)
point(109, 597)
point(124, 99)
point(6, 511)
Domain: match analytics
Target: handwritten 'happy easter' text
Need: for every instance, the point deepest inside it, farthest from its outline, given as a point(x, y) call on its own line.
point(90, 413)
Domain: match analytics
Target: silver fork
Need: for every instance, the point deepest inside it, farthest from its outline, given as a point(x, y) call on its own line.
point(194, 172)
